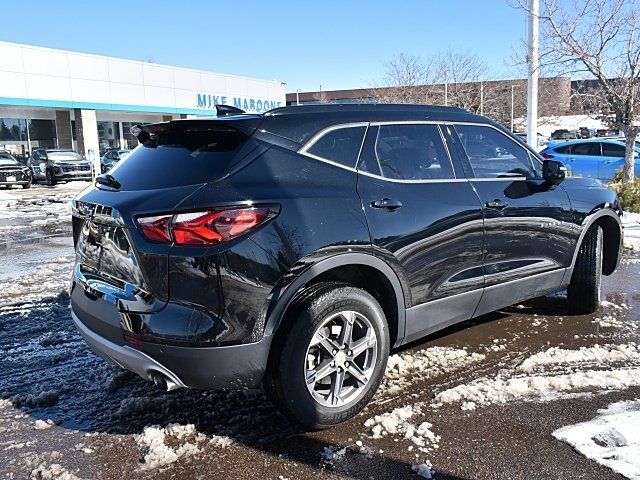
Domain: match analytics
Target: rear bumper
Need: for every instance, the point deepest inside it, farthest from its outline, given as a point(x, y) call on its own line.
point(208, 368)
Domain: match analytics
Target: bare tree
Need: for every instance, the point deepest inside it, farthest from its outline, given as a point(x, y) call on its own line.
point(405, 80)
point(598, 39)
point(465, 76)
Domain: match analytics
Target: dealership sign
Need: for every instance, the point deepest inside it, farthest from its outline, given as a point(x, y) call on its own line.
point(246, 104)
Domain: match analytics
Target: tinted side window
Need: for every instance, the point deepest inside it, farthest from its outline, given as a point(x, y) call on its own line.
point(592, 149)
point(341, 145)
point(612, 150)
point(412, 152)
point(492, 154)
point(563, 149)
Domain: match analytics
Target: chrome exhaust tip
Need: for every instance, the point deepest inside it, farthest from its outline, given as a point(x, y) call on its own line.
point(163, 383)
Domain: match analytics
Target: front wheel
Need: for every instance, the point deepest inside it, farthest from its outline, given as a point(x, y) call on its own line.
point(583, 293)
point(333, 357)
point(51, 179)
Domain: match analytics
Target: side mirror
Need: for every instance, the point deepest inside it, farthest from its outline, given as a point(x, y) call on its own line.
point(553, 171)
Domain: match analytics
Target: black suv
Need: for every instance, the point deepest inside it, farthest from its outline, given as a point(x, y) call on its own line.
point(293, 249)
point(55, 165)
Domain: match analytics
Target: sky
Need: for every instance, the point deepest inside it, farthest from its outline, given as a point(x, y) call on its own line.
point(307, 44)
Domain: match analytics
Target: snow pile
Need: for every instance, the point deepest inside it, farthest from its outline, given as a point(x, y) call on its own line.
point(42, 282)
point(47, 466)
point(486, 391)
point(397, 422)
point(158, 453)
point(402, 369)
point(594, 354)
point(631, 224)
point(612, 439)
point(609, 321)
point(44, 424)
point(55, 470)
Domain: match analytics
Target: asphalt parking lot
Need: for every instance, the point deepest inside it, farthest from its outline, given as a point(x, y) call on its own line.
point(477, 401)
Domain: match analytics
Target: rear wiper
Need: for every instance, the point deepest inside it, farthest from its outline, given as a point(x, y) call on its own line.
point(106, 179)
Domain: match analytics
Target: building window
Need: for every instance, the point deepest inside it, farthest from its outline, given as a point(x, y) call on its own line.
point(108, 136)
point(42, 133)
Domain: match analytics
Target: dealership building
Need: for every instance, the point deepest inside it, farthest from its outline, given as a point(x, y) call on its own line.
point(60, 99)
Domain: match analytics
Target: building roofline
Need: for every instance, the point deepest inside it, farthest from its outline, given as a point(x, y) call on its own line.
point(129, 60)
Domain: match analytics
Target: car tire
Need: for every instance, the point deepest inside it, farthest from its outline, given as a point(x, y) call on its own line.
point(583, 293)
point(51, 179)
point(26, 185)
point(323, 311)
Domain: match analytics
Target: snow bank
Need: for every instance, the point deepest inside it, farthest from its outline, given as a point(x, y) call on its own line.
point(158, 453)
point(595, 354)
point(631, 224)
point(612, 439)
point(397, 422)
point(486, 391)
point(402, 369)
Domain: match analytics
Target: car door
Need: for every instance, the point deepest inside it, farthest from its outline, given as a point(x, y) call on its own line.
point(612, 159)
point(583, 159)
point(425, 221)
point(529, 235)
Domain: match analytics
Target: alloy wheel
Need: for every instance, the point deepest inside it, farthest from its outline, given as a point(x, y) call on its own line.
point(341, 358)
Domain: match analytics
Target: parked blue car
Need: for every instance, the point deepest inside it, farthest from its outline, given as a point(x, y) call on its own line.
point(597, 158)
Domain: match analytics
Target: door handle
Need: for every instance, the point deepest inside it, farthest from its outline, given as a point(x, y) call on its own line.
point(572, 160)
point(609, 161)
point(497, 204)
point(387, 204)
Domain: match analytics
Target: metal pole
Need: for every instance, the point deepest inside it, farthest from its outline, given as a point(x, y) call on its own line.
point(481, 98)
point(512, 87)
point(534, 63)
point(298, 97)
point(446, 92)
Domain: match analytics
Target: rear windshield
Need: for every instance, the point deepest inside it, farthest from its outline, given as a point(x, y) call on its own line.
point(180, 156)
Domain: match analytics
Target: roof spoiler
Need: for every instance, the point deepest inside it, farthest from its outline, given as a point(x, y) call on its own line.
point(224, 110)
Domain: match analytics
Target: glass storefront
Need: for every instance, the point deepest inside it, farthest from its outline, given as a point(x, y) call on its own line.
point(42, 134)
point(13, 137)
point(108, 136)
point(129, 140)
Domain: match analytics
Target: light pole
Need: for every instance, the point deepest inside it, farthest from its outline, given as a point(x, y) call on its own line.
point(512, 88)
point(481, 98)
point(446, 91)
point(532, 87)
point(298, 97)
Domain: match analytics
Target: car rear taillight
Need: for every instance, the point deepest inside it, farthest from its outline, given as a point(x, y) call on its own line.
point(204, 227)
point(547, 155)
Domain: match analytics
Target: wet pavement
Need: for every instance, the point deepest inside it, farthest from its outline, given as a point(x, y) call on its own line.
point(64, 413)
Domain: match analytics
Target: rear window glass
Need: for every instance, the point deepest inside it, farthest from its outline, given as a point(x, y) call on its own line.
point(180, 156)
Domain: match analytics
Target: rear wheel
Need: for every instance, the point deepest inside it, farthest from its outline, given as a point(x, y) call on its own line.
point(583, 293)
point(333, 357)
point(26, 185)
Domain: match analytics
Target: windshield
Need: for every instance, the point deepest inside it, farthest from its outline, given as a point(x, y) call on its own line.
point(59, 156)
point(7, 160)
